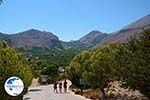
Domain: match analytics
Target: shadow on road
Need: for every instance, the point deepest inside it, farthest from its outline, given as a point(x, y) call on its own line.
point(35, 90)
point(28, 98)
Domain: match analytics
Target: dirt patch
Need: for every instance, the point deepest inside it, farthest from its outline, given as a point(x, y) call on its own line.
point(35, 82)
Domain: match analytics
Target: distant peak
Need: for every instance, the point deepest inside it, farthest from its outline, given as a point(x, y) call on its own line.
point(33, 30)
point(36, 30)
point(95, 31)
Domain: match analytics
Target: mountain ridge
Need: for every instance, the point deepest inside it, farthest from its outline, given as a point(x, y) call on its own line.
point(32, 38)
point(129, 30)
point(36, 38)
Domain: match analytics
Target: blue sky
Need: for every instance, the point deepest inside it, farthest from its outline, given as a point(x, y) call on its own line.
point(70, 19)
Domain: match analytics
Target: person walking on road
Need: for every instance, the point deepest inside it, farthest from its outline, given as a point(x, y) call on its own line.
point(65, 86)
point(55, 87)
point(60, 87)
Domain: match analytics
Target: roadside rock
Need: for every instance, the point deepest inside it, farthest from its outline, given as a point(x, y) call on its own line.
point(117, 92)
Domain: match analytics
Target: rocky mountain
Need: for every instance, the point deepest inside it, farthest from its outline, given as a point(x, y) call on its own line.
point(142, 22)
point(87, 41)
point(93, 38)
point(35, 38)
point(32, 38)
point(123, 35)
point(126, 32)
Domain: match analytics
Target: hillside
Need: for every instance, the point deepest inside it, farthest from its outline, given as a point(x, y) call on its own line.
point(126, 32)
point(35, 38)
point(32, 38)
point(93, 38)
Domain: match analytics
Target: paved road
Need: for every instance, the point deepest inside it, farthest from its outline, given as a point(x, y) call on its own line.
point(46, 93)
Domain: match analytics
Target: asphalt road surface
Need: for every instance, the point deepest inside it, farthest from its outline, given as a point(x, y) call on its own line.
point(46, 92)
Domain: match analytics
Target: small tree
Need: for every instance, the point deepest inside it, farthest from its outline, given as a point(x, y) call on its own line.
point(101, 70)
point(77, 66)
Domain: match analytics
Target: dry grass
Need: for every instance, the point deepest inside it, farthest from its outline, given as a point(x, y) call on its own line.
point(93, 94)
